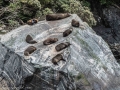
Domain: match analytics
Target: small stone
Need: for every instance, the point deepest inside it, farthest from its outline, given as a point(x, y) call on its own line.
point(82, 27)
point(4, 31)
point(1, 28)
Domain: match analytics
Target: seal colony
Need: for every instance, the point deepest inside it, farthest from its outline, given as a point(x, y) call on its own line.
point(48, 41)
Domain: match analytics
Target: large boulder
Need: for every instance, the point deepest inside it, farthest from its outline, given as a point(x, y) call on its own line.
point(89, 64)
point(13, 69)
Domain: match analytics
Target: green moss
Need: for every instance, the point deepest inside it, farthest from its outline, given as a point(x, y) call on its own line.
point(82, 79)
point(78, 77)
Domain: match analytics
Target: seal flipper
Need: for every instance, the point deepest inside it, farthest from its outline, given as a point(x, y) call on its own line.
point(55, 63)
point(63, 59)
point(32, 42)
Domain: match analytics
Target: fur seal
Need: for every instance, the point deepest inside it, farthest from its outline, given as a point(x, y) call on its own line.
point(75, 23)
point(32, 21)
point(57, 58)
point(62, 46)
point(58, 16)
point(29, 50)
point(67, 32)
point(50, 41)
point(30, 40)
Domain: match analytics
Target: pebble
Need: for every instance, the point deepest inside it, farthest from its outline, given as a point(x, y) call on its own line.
point(1, 28)
point(4, 31)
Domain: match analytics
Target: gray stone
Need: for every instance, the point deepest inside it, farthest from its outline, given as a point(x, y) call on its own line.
point(88, 54)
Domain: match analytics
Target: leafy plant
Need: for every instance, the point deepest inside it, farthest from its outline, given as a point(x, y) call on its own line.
point(103, 2)
point(47, 11)
point(85, 3)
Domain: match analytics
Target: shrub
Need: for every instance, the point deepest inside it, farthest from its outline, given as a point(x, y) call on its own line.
point(47, 11)
point(74, 6)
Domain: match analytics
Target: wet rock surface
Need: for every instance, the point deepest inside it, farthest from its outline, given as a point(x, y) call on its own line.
point(88, 55)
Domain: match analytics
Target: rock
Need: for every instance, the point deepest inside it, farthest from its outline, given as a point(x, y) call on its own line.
point(110, 32)
point(88, 54)
point(1, 28)
point(4, 31)
point(13, 69)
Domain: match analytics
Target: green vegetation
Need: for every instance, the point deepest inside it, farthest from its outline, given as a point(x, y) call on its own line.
point(103, 2)
point(22, 10)
point(109, 2)
point(85, 3)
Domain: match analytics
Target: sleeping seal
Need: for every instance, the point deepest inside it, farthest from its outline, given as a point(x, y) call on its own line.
point(75, 23)
point(58, 16)
point(32, 21)
point(50, 41)
point(29, 50)
point(62, 46)
point(30, 40)
point(57, 58)
point(67, 32)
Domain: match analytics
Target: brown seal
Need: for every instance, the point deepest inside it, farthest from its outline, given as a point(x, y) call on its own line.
point(58, 16)
point(50, 41)
point(75, 23)
point(30, 40)
point(57, 58)
point(62, 46)
point(67, 32)
point(29, 50)
point(32, 21)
